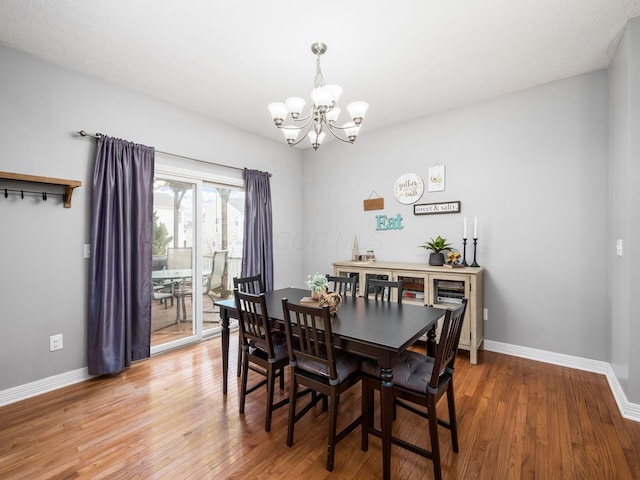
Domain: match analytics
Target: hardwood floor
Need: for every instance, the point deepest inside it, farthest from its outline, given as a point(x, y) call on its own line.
point(164, 327)
point(166, 418)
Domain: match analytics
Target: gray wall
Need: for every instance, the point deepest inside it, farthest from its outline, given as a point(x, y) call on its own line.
point(624, 209)
point(532, 166)
point(43, 285)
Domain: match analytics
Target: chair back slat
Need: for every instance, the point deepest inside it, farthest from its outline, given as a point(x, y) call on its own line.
point(448, 344)
point(309, 335)
point(345, 286)
point(383, 289)
point(251, 284)
point(254, 321)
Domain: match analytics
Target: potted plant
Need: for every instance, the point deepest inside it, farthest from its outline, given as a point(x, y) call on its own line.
point(318, 285)
point(436, 246)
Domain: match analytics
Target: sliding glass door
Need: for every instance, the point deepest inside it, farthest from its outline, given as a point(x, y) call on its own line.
point(173, 272)
point(197, 250)
point(222, 234)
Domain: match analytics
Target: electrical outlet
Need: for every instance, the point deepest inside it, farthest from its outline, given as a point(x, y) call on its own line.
point(619, 247)
point(87, 250)
point(486, 314)
point(55, 342)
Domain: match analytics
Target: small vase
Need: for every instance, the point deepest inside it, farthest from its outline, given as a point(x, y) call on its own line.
point(316, 295)
point(436, 259)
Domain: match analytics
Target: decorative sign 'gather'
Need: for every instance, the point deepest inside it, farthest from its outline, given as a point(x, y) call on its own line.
point(408, 188)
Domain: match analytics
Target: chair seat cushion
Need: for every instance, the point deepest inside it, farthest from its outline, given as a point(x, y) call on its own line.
point(346, 365)
point(411, 371)
point(280, 349)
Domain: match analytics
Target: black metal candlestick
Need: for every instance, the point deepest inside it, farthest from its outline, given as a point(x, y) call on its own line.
point(464, 253)
point(475, 245)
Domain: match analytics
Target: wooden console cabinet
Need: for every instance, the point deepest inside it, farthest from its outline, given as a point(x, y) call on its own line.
point(424, 284)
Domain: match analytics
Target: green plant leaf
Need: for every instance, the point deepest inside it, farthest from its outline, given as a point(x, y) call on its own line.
point(437, 245)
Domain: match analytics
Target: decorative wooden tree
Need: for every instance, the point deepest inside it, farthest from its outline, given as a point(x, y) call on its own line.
point(356, 250)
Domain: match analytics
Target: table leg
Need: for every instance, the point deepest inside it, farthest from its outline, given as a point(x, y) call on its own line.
point(224, 323)
point(367, 403)
point(386, 420)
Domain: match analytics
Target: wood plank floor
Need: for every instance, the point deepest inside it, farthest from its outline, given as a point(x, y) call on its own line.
point(166, 418)
point(164, 327)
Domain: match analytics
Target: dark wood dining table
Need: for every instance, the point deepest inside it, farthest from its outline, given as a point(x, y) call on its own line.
point(375, 329)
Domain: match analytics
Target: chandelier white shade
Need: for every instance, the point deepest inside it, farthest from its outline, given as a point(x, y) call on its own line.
point(323, 112)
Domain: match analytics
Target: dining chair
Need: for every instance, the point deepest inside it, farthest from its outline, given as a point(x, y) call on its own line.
point(420, 381)
point(176, 259)
point(383, 289)
point(317, 365)
point(264, 350)
point(250, 284)
point(179, 258)
point(159, 292)
point(345, 286)
point(213, 284)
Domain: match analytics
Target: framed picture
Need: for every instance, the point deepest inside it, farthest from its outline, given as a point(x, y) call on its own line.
point(431, 208)
point(435, 182)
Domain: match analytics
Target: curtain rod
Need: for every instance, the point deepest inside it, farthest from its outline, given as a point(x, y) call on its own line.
point(82, 133)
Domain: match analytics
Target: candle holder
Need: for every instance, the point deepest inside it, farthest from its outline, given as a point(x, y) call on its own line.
point(475, 246)
point(464, 253)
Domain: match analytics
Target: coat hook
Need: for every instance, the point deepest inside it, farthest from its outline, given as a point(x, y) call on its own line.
point(44, 196)
point(22, 194)
point(6, 193)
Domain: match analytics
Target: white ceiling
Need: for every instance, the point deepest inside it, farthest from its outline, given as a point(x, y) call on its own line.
point(228, 59)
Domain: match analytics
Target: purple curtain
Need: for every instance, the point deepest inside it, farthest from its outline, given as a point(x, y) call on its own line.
point(257, 250)
point(121, 239)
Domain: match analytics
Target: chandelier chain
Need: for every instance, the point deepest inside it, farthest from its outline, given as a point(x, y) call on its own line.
point(319, 80)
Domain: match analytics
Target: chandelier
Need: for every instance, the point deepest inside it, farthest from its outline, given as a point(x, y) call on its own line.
point(323, 112)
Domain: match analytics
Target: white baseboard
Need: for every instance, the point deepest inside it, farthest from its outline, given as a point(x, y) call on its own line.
point(21, 392)
point(628, 410)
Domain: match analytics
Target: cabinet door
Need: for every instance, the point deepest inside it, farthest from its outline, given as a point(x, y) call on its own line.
point(447, 291)
point(415, 286)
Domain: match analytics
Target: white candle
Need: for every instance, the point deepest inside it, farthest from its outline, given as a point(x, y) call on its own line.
point(464, 231)
point(475, 227)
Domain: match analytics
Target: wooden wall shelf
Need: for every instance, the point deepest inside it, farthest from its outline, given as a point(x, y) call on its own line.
point(68, 185)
